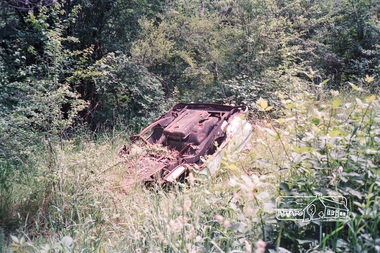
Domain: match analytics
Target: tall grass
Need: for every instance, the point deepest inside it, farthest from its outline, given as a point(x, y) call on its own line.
point(328, 147)
point(85, 213)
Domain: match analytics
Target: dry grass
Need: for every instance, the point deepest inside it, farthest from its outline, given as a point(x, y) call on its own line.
point(180, 218)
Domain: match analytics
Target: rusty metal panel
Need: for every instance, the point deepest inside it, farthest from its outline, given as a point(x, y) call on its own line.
point(179, 139)
point(181, 127)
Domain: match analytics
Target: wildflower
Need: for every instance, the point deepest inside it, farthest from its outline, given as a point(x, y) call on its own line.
point(250, 211)
point(198, 239)
point(187, 205)
point(192, 233)
point(248, 247)
point(260, 246)
point(227, 224)
point(219, 218)
point(174, 226)
point(177, 224)
point(235, 197)
point(334, 92)
point(161, 236)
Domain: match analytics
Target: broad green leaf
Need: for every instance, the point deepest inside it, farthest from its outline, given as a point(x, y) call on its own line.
point(360, 229)
point(316, 129)
point(262, 103)
point(269, 108)
point(369, 197)
point(289, 105)
point(306, 149)
point(233, 167)
point(371, 98)
point(369, 79)
point(15, 239)
point(354, 86)
point(334, 133)
point(360, 103)
point(285, 187)
point(336, 103)
point(270, 131)
point(324, 82)
point(356, 129)
point(281, 120)
point(297, 149)
point(315, 121)
point(354, 192)
point(371, 151)
point(371, 188)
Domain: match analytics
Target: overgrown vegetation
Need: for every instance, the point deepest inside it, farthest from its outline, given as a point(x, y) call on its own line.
point(78, 77)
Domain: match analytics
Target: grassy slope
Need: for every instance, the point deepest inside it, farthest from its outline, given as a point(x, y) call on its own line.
point(231, 211)
point(86, 208)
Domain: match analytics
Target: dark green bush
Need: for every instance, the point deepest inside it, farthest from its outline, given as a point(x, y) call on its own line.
point(126, 93)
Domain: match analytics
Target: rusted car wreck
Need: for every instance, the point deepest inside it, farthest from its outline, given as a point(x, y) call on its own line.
point(183, 139)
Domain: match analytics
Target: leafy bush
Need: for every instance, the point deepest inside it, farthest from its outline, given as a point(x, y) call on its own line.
point(36, 106)
point(332, 149)
point(126, 93)
point(38, 103)
point(352, 36)
point(243, 90)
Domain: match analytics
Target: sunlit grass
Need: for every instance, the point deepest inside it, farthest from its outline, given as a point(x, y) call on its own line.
point(85, 206)
point(233, 210)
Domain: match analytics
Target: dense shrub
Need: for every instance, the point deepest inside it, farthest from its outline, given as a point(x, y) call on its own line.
point(126, 93)
point(332, 149)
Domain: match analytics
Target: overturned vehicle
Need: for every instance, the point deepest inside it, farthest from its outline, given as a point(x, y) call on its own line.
point(189, 137)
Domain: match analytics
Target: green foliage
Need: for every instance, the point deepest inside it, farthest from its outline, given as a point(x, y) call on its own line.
point(353, 38)
point(282, 44)
point(94, 217)
point(119, 64)
point(196, 48)
point(328, 147)
point(185, 45)
point(332, 149)
point(110, 26)
point(41, 104)
point(245, 90)
point(126, 93)
point(36, 106)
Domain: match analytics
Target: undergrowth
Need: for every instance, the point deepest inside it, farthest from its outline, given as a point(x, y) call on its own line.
point(327, 147)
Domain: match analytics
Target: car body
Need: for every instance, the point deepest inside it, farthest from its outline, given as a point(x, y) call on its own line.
point(190, 136)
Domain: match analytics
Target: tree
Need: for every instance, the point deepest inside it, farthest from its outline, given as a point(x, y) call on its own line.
point(36, 101)
point(186, 45)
